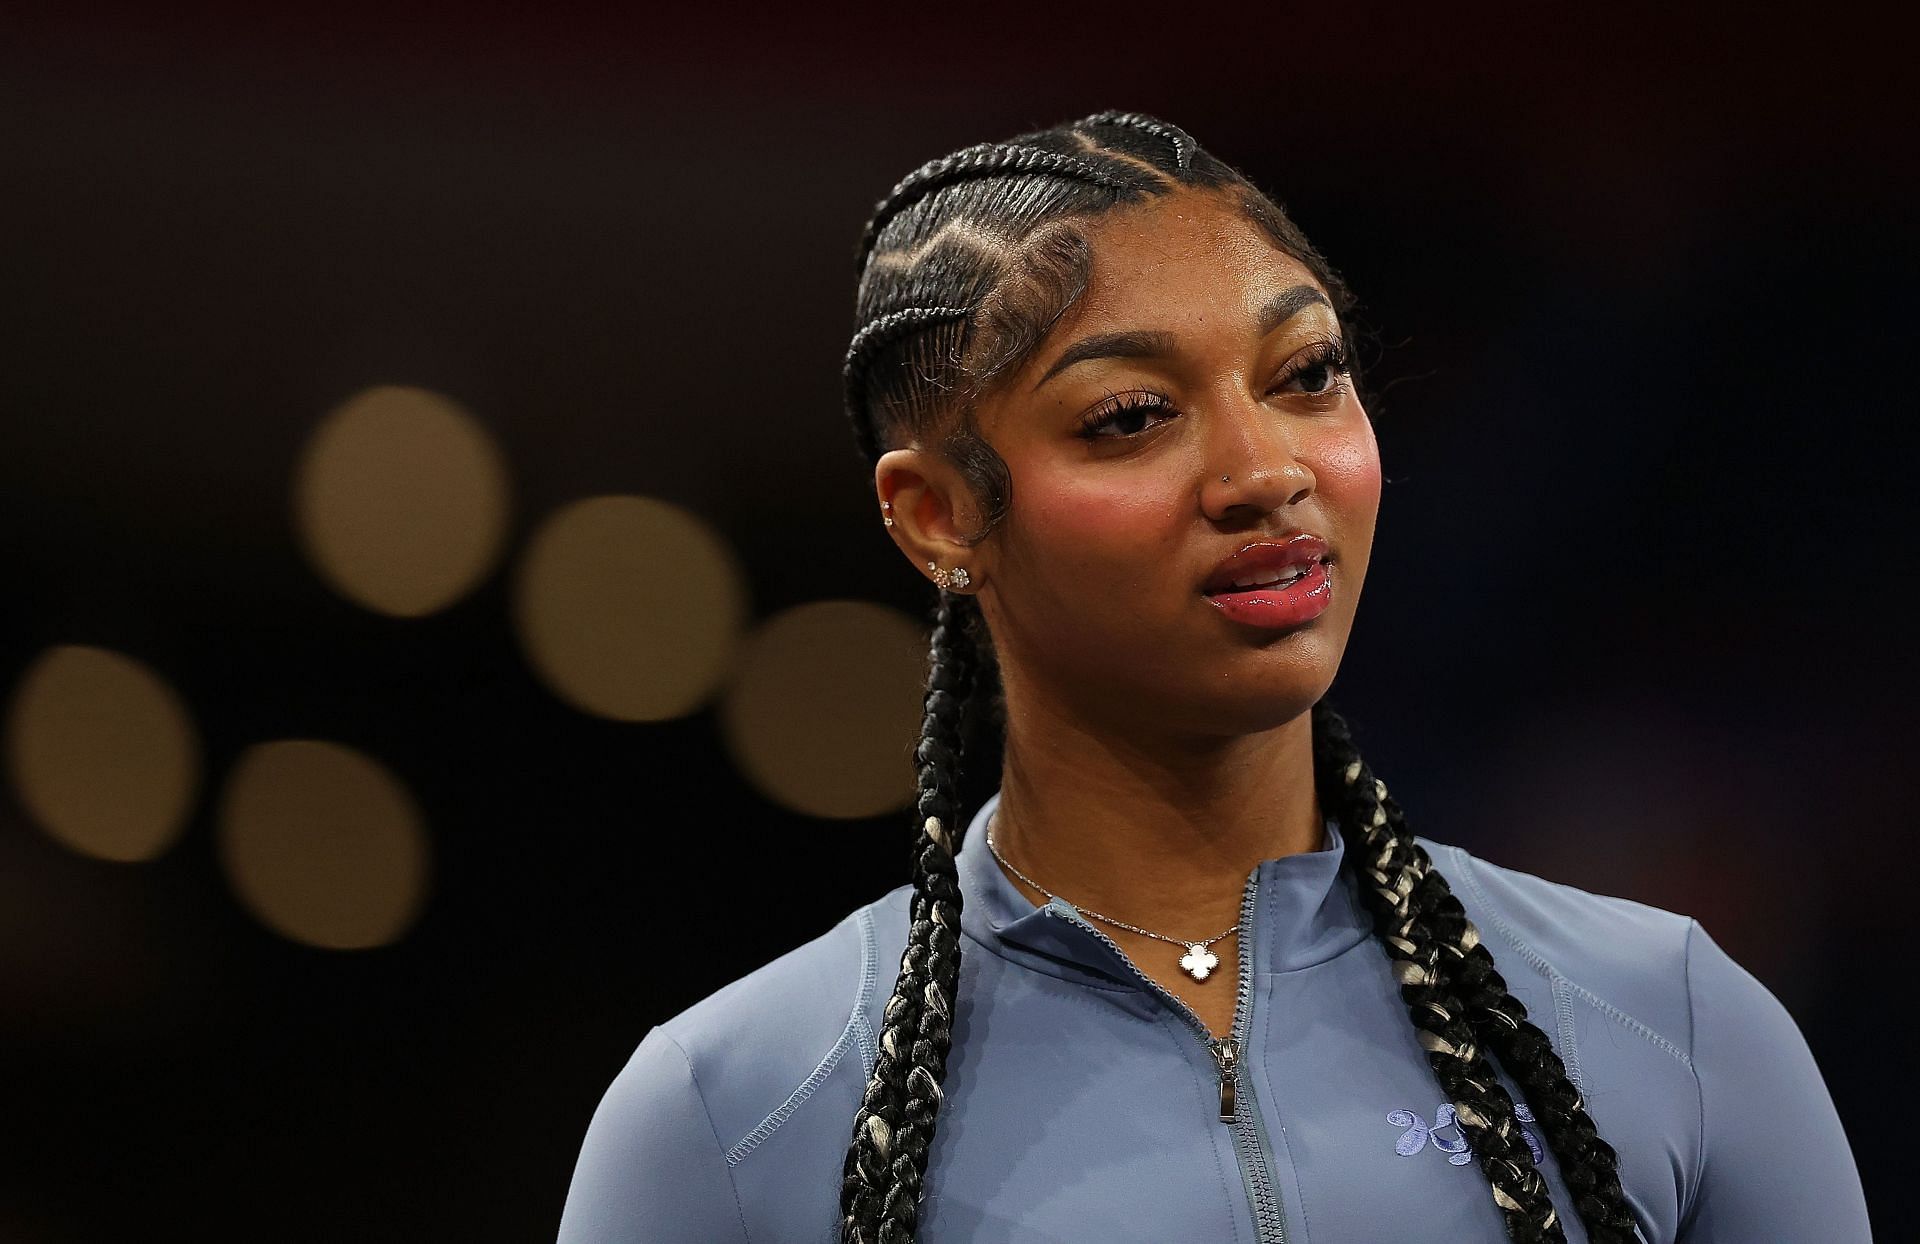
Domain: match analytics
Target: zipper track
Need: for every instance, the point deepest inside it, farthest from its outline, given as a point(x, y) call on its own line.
point(1269, 1227)
point(1249, 1138)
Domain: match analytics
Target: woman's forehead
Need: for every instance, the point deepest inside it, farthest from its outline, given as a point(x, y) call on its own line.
point(1181, 261)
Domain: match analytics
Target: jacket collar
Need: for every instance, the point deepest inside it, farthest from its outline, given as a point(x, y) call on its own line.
point(1306, 912)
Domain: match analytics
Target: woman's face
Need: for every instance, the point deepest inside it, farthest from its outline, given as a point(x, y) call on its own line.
point(1199, 351)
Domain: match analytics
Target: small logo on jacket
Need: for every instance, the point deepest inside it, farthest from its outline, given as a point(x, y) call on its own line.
point(1458, 1151)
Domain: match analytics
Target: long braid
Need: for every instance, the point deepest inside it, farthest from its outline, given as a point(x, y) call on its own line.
point(1589, 1163)
point(1499, 1020)
point(1393, 868)
point(893, 1130)
point(885, 1167)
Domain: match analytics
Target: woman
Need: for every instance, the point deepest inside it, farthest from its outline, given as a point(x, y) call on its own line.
point(1190, 977)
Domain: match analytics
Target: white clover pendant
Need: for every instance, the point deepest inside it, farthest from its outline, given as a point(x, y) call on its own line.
point(1199, 962)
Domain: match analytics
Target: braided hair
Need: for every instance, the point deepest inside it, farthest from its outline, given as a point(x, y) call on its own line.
point(964, 268)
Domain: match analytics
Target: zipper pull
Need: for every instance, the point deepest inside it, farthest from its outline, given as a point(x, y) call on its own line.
point(1223, 1053)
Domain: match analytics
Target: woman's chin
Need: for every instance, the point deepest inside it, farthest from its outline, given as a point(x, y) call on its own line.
point(1239, 709)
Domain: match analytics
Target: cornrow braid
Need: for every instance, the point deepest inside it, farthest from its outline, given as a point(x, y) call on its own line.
point(984, 160)
point(886, 1164)
point(869, 342)
point(1175, 137)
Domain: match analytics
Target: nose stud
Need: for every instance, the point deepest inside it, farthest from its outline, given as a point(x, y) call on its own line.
point(1223, 479)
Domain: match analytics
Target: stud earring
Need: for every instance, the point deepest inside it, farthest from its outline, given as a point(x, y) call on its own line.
point(956, 579)
point(887, 506)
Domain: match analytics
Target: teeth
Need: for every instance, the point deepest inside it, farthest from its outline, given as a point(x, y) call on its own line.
point(1269, 577)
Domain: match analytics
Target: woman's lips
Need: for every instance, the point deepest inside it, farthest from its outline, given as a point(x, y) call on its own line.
point(1280, 605)
point(1266, 559)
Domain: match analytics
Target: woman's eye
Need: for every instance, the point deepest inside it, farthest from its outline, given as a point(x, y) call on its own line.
point(1315, 379)
point(1127, 422)
point(1132, 415)
point(1320, 373)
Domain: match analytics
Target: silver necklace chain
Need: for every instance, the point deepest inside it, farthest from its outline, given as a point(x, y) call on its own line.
point(1198, 962)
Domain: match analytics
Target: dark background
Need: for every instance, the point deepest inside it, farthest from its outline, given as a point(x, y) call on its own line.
point(1639, 614)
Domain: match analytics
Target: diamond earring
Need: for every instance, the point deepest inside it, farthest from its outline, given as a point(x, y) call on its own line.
point(887, 506)
point(956, 579)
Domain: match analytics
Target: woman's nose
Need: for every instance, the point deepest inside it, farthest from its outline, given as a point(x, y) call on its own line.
point(1255, 468)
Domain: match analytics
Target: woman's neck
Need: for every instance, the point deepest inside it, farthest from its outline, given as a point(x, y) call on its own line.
point(1158, 833)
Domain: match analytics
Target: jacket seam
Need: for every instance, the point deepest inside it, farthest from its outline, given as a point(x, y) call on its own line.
point(693, 1077)
point(856, 1033)
point(1563, 1021)
point(1699, 1087)
point(869, 975)
point(1270, 1101)
point(1069, 976)
point(1541, 965)
point(977, 902)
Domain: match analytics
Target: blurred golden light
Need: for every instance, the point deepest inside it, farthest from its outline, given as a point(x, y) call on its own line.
point(824, 711)
point(629, 607)
point(322, 844)
point(102, 753)
point(400, 499)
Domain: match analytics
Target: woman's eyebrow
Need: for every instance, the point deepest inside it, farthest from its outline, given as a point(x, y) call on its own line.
point(1149, 344)
point(1287, 304)
point(1130, 345)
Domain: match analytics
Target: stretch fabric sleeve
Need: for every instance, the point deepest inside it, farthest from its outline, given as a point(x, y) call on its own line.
point(1774, 1161)
point(651, 1169)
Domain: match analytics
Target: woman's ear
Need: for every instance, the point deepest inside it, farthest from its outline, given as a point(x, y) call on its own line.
point(933, 512)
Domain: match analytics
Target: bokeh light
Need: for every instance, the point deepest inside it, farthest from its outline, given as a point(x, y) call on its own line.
point(102, 753)
point(400, 500)
point(629, 607)
point(824, 710)
point(323, 844)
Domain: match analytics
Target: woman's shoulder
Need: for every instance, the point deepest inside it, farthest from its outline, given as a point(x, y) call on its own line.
point(1627, 959)
point(711, 1086)
point(822, 988)
point(1555, 914)
point(759, 1048)
point(1688, 1057)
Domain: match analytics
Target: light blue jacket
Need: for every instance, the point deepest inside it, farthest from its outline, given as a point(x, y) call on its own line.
point(1083, 1103)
